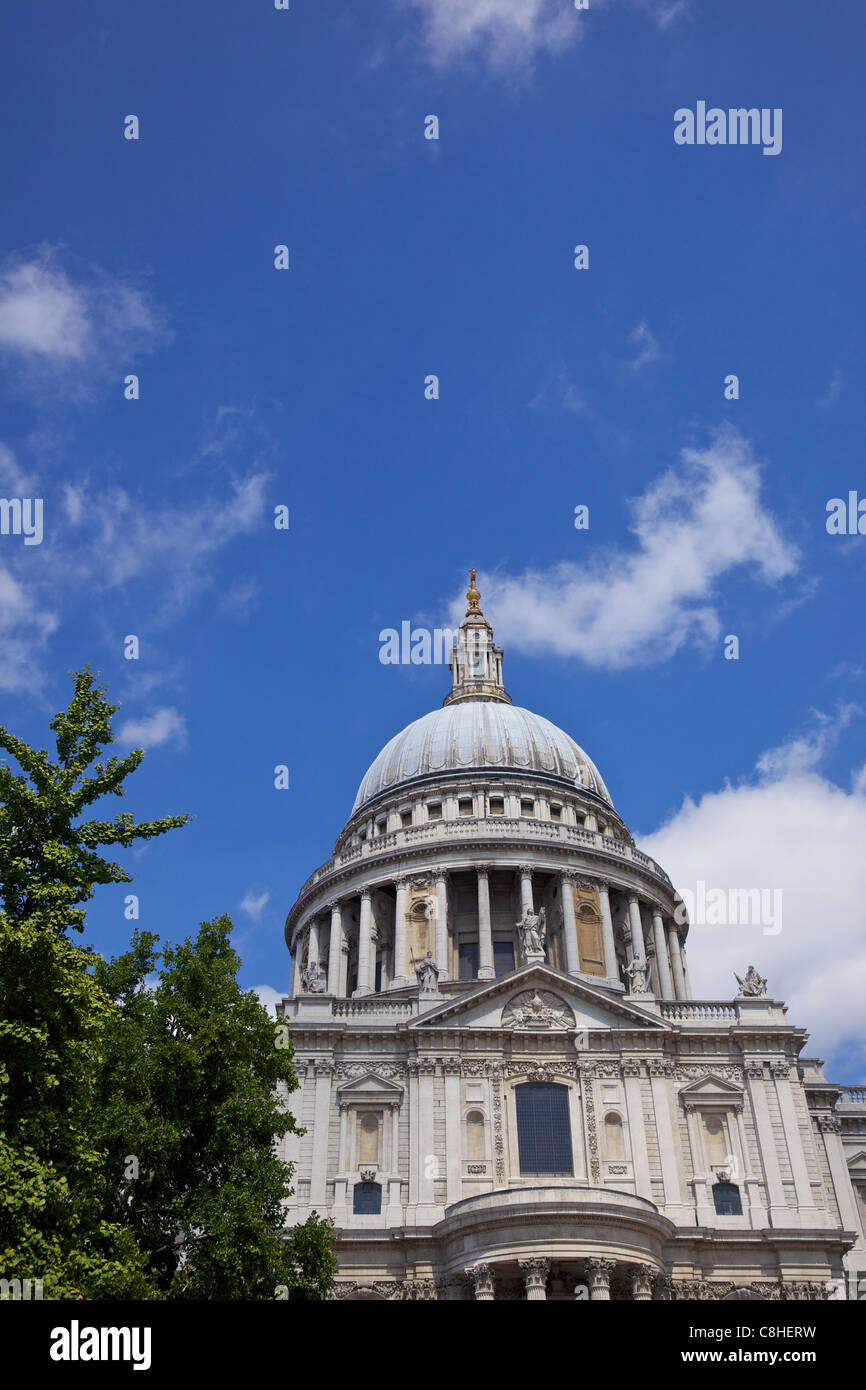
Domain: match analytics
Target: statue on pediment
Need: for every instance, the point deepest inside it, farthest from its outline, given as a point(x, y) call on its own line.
point(532, 933)
point(638, 972)
point(427, 973)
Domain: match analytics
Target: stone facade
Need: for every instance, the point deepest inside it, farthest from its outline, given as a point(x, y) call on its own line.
point(703, 1157)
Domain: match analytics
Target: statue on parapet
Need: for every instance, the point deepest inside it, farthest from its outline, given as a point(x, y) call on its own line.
point(314, 979)
point(752, 985)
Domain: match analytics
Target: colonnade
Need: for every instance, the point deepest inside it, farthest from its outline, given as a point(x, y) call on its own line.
point(659, 940)
point(592, 1285)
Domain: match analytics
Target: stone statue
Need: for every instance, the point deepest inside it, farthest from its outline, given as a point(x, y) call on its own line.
point(638, 973)
point(752, 985)
point(532, 931)
point(314, 980)
point(427, 972)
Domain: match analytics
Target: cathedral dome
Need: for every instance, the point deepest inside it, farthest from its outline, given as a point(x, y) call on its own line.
point(479, 734)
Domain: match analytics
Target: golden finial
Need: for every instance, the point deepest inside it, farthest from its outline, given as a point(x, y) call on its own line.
point(473, 596)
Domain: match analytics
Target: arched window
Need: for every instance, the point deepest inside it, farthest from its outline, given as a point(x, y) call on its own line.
point(475, 1134)
point(726, 1199)
point(367, 1199)
point(543, 1128)
point(715, 1140)
point(368, 1139)
point(613, 1141)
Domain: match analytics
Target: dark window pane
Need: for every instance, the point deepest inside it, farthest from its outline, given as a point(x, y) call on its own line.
point(378, 980)
point(726, 1198)
point(503, 957)
point(367, 1199)
point(543, 1128)
point(468, 956)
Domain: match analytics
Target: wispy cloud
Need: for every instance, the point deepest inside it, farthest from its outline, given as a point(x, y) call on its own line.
point(647, 348)
point(507, 34)
point(695, 525)
point(807, 751)
point(165, 725)
point(68, 323)
point(254, 905)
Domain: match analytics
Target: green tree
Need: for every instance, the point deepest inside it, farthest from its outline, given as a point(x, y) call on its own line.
point(53, 1012)
point(190, 1109)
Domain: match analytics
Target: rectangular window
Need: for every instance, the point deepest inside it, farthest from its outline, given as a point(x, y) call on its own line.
point(503, 957)
point(367, 1199)
point(556, 813)
point(434, 810)
point(467, 954)
point(380, 827)
point(527, 808)
point(543, 1128)
point(464, 806)
point(497, 806)
point(405, 818)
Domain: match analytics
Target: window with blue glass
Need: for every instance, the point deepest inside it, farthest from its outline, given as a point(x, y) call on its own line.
point(543, 1128)
point(367, 1198)
point(726, 1199)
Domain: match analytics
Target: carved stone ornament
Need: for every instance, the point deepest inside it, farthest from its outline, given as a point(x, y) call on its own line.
point(752, 985)
point(537, 1012)
point(367, 1174)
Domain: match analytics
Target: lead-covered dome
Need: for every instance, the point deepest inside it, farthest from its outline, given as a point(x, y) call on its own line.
point(479, 734)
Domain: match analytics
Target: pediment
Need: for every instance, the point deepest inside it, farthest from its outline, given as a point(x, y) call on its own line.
point(538, 998)
point(371, 1086)
point(711, 1090)
point(857, 1163)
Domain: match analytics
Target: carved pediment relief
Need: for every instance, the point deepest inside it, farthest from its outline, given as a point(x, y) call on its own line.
point(537, 1011)
point(369, 1088)
point(711, 1090)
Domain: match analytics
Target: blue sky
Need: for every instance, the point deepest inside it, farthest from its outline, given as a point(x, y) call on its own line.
point(305, 388)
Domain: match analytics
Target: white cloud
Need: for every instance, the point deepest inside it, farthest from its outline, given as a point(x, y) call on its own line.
point(647, 347)
point(164, 725)
point(268, 997)
point(254, 906)
point(806, 752)
point(69, 322)
point(25, 627)
point(693, 526)
point(507, 33)
point(513, 33)
point(785, 828)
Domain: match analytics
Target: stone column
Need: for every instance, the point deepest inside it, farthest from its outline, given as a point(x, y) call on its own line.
point(365, 944)
point(607, 931)
point(676, 961)
point(664, 972)
point(527, 902)
point(297, 957)
point(781, 1073)
point(831, 1133)
point(481, 1278)
point(756, 1085)
point(485, 935)
point(569, 924)
point(321, 1124)
point(598, 1274)
point(441, 883)
point(535, 1273)
point(313, 958)
point(401, 966)
point(335, 949)
point(641, 1281)
point(637, 942)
